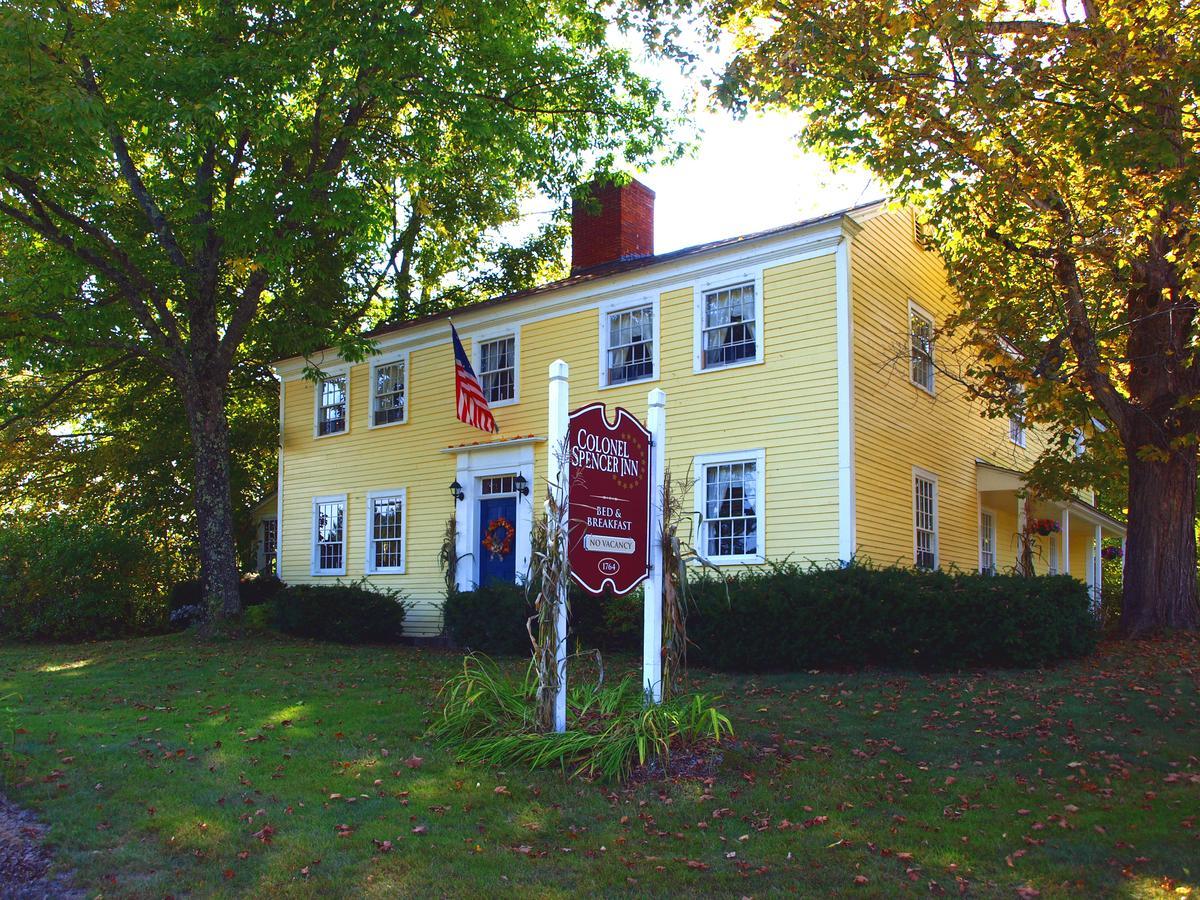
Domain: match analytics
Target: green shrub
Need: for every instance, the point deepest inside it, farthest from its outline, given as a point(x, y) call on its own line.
point(490, 718)
point(492, 620)
point(186, 606)
point(259, 618)
point(791, 618)
point(353, 613)
point(66, 578)
point(489, 619)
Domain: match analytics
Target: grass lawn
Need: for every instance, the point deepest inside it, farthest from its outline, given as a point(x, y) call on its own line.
point(164, 766)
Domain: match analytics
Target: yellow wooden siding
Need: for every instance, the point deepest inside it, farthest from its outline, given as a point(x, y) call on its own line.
point(897, 424)
point(786, 407)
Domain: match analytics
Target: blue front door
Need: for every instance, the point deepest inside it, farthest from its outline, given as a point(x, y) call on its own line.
point(497, 547)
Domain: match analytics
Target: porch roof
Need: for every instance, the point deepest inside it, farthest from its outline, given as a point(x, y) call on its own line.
point(991, 477)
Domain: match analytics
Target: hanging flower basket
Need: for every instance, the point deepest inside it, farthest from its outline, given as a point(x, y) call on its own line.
point(498, 538)
point(1045, 527)
point(1110, 553)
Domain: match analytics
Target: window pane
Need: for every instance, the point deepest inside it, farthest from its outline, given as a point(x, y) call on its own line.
point(389, 394)
point(330, 526)
point(331, 415)
point(387, 537)
point(730, 330)
point(921, 337)
point(497, 369)
point(631, 345)
point(730, 509)
point(925, 522)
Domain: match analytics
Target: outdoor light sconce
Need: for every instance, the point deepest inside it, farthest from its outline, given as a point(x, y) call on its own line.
point(521, 485)
point(456, 491)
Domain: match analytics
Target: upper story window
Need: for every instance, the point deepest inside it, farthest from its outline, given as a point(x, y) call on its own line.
point(333, 395)
point(1016, 429)
point(1016, 422)
point(329, 536)
point(498, 369)
point(389, 388)
point(925, 520)
point(385, 532)
point(730, 488)
point(729, 327)
point(628, 345)
point(920, 334)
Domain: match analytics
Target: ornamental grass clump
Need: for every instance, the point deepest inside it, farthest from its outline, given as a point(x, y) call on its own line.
point(492, 718)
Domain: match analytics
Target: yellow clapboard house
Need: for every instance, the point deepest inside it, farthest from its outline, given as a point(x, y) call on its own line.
point(801, 402)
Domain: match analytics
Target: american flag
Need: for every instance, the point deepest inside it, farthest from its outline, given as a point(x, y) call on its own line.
point(472, 405)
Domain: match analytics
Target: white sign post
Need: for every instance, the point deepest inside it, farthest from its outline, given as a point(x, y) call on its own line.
point(556, 475)
point(656, 422)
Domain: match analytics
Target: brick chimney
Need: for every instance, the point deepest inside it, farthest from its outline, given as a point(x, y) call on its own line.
point(622, 228)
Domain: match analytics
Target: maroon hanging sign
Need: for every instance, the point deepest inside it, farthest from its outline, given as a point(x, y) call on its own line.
point(608, 500)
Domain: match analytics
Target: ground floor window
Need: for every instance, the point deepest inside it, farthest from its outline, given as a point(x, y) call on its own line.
point(730, 489)
point(270, 544)
point(987, 543)
point(925, 519)
point(385, 532)
point(329, 536)
point(1052, 553)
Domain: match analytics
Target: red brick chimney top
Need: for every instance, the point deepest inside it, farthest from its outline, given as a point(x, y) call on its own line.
point(622, 228)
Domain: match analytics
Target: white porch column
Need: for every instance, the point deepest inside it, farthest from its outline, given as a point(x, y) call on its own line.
point(556, 475)
point(1020, 533)
point(1065, 550)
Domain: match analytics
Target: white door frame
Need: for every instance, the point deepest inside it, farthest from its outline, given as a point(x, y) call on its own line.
point(474, 464)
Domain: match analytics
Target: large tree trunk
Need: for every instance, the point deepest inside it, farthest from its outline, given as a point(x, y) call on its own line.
point(1160, 562)
point(205, 406)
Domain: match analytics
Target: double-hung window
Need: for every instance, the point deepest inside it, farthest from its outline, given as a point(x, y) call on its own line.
point(730, 326)
point(1016, 422)
point(329, 535)
point(497, 369)
point(628, 344)
point(730, 489)
point(920, 336)
point(925, 520)
point(389, 390)
point(333, 395)
point(385, 532)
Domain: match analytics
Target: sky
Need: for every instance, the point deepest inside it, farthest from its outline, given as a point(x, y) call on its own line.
point(745, 175)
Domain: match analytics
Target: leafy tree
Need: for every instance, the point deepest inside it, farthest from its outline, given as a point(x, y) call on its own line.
point(1054, 150)
point(186, 188)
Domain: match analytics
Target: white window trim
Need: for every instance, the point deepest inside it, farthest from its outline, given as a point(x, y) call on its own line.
point(730, 279)
point(261, 556)
point(918, 472)
point(314, 555)
point(332, 372)
point(917, 309)
point(369, 566)
point(702, 461)
point(1053, 564)
point(983, 511)
point(486, 337)
point(387, 361)
point(622, 305)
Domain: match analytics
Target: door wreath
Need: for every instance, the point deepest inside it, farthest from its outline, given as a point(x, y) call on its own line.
point(498, 546)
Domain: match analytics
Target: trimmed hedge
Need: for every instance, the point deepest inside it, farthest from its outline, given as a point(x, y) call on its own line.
point(185, 602)
point(789, 618)
point(351, 613)
point(792, 618)
point(492, 620)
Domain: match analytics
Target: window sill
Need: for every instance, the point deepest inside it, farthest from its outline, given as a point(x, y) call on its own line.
point(386, 571)
point(500, 404)
point(372, 426)
point(328, 573)
point(750, 560)
point(920, 387)
point(700, 370)
point(633, 381)
point(318, 437)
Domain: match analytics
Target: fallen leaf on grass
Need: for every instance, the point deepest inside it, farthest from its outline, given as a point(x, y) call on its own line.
point(414, 762)
point(421, 829)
